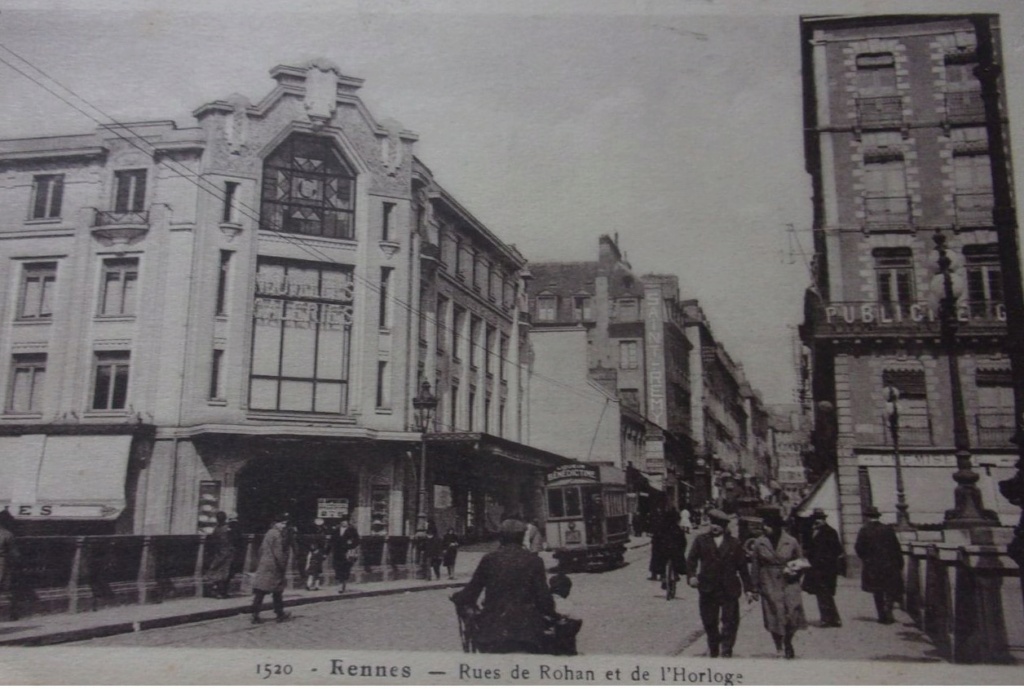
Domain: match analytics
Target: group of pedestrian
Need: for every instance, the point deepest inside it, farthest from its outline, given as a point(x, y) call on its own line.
point(771, 567)
point(270, 575)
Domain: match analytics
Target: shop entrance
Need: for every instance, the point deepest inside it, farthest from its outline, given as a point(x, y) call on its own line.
point(267, 486)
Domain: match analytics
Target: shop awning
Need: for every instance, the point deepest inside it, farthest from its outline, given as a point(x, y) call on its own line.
point(824, 495)
point(64, 477)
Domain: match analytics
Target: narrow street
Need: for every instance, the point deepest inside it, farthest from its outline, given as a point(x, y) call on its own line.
point(623, 613)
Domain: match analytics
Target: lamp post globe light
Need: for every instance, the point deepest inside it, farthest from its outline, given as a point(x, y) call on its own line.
point(968, 510)
point(892, 410)
point(424, 405)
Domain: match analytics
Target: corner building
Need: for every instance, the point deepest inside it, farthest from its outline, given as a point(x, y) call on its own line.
point(897, 146)
point(228, 317)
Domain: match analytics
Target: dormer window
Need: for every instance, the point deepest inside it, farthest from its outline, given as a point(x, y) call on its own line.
point(308, 189)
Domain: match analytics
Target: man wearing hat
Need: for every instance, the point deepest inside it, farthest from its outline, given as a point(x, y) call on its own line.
point(517, 597)
point(882, 563)
point(720, 565)
point(271, 569)
point(825, 553)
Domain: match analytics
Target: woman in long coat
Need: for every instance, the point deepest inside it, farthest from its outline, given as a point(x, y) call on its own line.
point(271, 570)
point(777, 583)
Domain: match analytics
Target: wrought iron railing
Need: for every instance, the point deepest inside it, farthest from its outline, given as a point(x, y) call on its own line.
point(994, 429)
point(880, 111)
point(914, 431)
point(887, 212)
point(964, 106)
point(114, 218)
point(974, 209)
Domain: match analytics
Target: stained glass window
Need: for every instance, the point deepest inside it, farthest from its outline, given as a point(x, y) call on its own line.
point(308, 189)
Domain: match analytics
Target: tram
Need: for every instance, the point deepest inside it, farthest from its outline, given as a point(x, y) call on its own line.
point(587, 523)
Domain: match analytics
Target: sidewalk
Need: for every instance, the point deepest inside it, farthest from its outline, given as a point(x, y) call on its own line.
point(860, 638)
point(42, 630)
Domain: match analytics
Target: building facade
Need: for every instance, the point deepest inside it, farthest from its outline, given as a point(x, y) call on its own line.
point(636, 347)
point(235, 316)
point(898, 150)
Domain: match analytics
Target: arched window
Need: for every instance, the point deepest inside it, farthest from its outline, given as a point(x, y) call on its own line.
point(308, 189)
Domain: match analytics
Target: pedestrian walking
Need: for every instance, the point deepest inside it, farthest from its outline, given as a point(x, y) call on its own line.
point(673, 546)
point(516, 596)
point(222, 546)
point(533, 539)
point(450, 544)
point(318, 547)
point(825, 553)
point(656, 564)
point(271, 569)
point(431, 553)
point(882, 563)
point(717, 568)
point(776, 560)
point(9, 556)
point(344, 542)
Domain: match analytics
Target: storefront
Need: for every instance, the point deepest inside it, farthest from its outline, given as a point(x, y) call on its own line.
point(75, 480)
point(477, 479)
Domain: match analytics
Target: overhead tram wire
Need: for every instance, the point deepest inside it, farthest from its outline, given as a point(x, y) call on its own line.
point(194, 178)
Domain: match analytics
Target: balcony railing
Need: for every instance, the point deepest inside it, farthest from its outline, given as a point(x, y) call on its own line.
point(964, 106)
point(880, 112)
point(974, 209)
point(887, 212)
point(116, 218)
point(994, 429)
point(914, 318)
point(914, 431)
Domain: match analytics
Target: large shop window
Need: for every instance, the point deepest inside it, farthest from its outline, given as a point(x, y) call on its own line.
point(308, 189)
point(302, 325)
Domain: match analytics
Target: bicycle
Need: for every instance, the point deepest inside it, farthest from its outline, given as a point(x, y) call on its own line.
point(670, 580)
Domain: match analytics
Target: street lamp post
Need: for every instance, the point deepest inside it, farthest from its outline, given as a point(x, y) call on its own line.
point(424, 404)
point(968, 510)
point(892, 397)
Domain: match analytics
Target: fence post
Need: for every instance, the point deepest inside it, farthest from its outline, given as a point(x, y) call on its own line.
point(913, 583)
point(979, 625)
point(142, 581)
point(938, 603)
point(76, 573)
point(250, 554)
point(198, 572)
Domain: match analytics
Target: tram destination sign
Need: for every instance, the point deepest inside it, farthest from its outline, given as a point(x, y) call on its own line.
point(573, 471)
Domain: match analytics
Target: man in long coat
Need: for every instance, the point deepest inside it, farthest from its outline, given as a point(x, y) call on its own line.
point(222, 544)
point(882, 558)
point(271, 569)
point(718, 569)
point(516, 598)
point(824, 552)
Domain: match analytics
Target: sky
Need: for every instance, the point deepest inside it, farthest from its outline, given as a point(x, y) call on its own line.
point(675, 124)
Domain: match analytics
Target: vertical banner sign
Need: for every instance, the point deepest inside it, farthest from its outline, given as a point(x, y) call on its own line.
point(654, 337)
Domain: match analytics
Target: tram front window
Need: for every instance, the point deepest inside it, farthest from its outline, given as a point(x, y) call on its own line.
point(556, 504)
point(572, 502)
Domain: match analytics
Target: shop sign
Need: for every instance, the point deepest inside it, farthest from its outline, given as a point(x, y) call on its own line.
point(920, 459)
point(332, 508)
point(573, 471)
point(654, 336)
point(886, 314)
point(58, 511)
